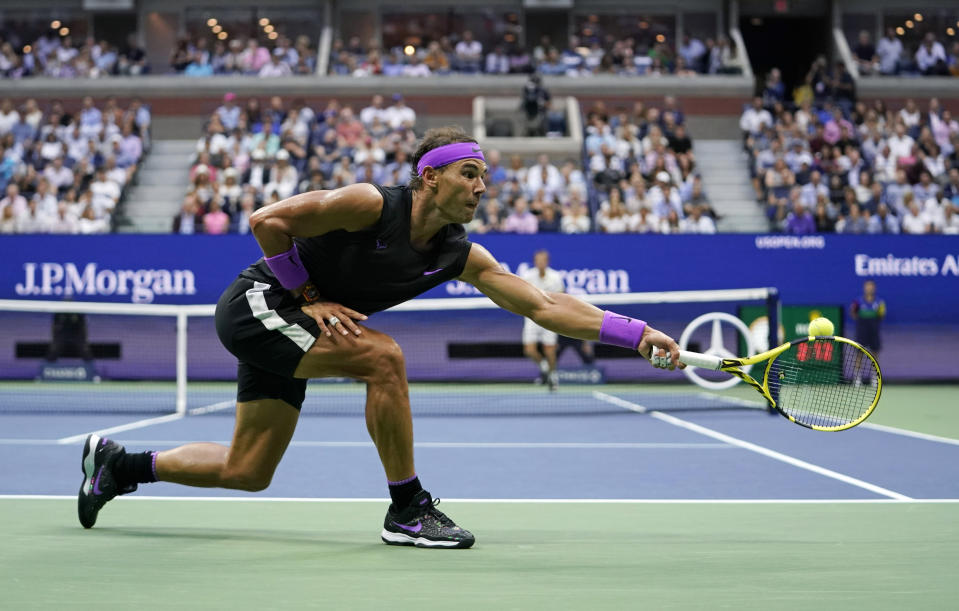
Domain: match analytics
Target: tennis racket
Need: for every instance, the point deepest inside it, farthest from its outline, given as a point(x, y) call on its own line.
point(824, 383)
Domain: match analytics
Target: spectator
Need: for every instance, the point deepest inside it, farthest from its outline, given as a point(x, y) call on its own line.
point(188, 220)
point(535, 103)
point(755, 118)
point(521, 220)
point(853, 222)
point(8, 220)
point(399, 114)
point(883, 221)
point(240, 222)
point(469, 53)
point(56, 173)
point(497, 62)
point(825, 221)
point(131, 148)
point(215, 221)
point(931, 56)
point(253, 57)
point(549, 220)
point(774, 89)
point(865, 54)
point(693, 52)
point(373, 112)
point(889, 50)
point(13, 200)
point(799, 221)
point(950, 221)
point(914, 221)
point(843, 87)
point(199, 66)
point(575, 218)
point(900, 144)
point(275, 67)
point(229, 112)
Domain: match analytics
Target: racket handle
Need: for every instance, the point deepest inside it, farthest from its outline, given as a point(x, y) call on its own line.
point(695, 359)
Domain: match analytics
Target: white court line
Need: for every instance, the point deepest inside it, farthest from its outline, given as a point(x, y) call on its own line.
point(733, 400)
point(433, 444)
point(894, 430)
point(139, 424)
point(907, 433)
point(752, 447)
point(269, 499)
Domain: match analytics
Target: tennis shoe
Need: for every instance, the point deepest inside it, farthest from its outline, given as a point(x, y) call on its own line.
point(99, 484)
point(423, 525)
point(553, 381)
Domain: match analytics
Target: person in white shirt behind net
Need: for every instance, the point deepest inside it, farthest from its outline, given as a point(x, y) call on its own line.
point(543, 277)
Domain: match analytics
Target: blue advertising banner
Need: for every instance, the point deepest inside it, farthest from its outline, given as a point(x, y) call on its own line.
point(918, 276)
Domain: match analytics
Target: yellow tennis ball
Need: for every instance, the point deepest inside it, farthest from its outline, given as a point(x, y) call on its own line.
point(821, 326)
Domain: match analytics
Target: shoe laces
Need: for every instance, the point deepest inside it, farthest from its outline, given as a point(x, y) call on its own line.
point(437, 514)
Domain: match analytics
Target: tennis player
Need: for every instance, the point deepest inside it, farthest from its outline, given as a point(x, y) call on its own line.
point(331, 259)
point(546, 279)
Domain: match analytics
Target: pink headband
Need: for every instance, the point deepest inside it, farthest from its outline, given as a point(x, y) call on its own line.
point(447, 154)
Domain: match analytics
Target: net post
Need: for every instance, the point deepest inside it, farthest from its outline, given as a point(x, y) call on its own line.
point(773, 313)
point(181, 328)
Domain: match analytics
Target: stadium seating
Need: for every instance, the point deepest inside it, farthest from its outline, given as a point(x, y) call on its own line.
point(64, 172)
point(818, 167)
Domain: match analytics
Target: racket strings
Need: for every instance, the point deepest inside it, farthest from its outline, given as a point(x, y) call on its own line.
point(824, 383)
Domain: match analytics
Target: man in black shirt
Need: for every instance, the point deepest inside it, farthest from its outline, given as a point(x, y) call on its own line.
point(332, 258)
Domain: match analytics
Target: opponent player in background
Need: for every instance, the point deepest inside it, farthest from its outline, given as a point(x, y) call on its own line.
point(547, 279)
point(332, 258)
point(868, 312)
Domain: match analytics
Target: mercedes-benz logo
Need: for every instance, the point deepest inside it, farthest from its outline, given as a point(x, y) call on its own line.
point(716, 346)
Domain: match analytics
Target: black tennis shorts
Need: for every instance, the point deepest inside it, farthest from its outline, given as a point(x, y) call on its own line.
point(262, 325)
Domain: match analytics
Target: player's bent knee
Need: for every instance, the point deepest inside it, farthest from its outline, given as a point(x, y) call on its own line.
point(388, 363)
point(250, 481)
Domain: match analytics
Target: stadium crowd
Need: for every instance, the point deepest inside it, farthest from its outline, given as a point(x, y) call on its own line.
point(825, 162)
point(890, 57)
point(56, 56)
point(639, 176)
point(67, 172)
point(585, 54)
point(194, 57)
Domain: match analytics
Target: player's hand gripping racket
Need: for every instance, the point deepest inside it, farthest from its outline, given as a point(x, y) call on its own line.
point(825, 383)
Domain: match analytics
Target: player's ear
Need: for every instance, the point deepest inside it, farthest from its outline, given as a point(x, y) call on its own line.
point(430, 177)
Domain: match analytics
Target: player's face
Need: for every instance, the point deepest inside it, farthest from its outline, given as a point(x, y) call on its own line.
point(459, 189)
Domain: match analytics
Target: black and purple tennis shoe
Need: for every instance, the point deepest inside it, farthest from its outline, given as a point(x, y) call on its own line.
point(423, 525)
point(99, 484)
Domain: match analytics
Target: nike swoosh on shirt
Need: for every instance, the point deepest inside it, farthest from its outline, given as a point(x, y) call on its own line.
point(430, 273)
point(413, 529)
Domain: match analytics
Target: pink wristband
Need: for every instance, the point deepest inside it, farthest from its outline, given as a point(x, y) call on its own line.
point(621, 330)
point(288, 268)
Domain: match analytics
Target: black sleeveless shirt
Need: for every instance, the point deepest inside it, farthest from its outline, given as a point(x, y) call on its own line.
point(377, 268)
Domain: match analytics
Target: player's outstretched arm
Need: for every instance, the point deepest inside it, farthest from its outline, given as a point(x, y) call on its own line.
point(310, 214)
point(559, 312)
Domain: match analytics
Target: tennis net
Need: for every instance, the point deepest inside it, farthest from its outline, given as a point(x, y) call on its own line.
point(464, 357)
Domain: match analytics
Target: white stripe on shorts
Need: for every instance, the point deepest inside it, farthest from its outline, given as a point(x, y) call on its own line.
point(273, 321)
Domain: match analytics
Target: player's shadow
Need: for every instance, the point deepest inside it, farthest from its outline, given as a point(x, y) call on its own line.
point(294, 538)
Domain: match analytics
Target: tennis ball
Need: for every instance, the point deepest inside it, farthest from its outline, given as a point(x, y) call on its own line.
point(821, 326)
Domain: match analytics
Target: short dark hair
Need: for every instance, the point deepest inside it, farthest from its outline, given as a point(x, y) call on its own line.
point(435, 138)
